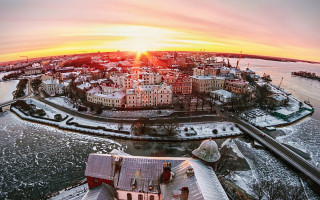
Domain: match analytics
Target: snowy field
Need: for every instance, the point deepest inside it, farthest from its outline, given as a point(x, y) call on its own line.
point(205, 129)
point(261, 118)
point(62, 101)
point(50, 111)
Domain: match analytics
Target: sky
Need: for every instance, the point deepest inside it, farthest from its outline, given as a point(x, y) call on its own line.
point(36, 28)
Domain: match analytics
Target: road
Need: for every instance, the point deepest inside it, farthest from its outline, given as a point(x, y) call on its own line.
point(181, 119)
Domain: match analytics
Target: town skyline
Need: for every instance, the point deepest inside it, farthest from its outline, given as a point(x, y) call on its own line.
point(40, 29)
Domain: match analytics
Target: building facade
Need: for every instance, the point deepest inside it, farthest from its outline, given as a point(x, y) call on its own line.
point(236, 86)
point(180, 83)
point(206, 84)
point(149, 96)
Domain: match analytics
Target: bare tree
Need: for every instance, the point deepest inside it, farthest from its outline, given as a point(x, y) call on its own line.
point(180, 103)
point(262, 92)
point(226, 164)
point(245, 99)
point(141, 126)
point(274, 190)
point(234, 100)
point(197, 103)
point(187, 102)
point(202, 96)
point(169, 129)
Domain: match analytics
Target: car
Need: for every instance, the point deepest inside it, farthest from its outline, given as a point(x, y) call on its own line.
point(113, 109)
point(222, 110)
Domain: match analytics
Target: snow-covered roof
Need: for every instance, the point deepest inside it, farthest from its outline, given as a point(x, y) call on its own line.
point(203, 77)
point(226, 94)
point(143, 171)
point(50, 82)
point(99, 166)
point(85, 85)
point(101, 192)
point(278, 97)
point(94, 90)
point(60, 85)
point(130, 91)
point(203, 184)
point(284, 111)
point(116, 95)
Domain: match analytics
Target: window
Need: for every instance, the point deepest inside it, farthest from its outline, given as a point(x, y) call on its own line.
point(140, 197)
point(129, 196)
point(151, 197)
point(95, 180)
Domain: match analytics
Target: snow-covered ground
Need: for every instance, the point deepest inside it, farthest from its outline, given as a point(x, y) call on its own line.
point(205, 129)
point(50, 111)
point(260, 118)
point(62, 101)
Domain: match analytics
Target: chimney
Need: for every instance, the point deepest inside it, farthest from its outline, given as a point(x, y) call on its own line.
point(184, 193)
point(166, 172)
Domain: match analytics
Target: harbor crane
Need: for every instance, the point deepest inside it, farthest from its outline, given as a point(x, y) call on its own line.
point(25, 57)
point(280, 82)
point(239, 60)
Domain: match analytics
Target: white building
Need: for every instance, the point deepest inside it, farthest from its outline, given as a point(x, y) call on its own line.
point(33, 70)
point(221, 95)
point(53, 87)
point(116, 99)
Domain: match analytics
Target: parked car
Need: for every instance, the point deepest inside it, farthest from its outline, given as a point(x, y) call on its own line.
point(190, 134)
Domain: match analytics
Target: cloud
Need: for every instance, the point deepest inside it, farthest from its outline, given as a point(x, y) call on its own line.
point(231, 25)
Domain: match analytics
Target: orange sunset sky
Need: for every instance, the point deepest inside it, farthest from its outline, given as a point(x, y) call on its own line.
point(34, 28)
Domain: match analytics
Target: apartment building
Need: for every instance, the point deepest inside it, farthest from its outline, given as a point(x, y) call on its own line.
point(180, 83)
point(149, 96)
point(236, 86)
point(207, 84)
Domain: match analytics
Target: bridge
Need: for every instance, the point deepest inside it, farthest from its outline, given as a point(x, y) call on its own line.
point(286, 154)
point(6, 105)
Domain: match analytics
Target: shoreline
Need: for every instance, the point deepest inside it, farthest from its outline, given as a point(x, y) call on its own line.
point(113, 135)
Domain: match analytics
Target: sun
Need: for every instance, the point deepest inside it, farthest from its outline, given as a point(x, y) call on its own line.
point(139, 44)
